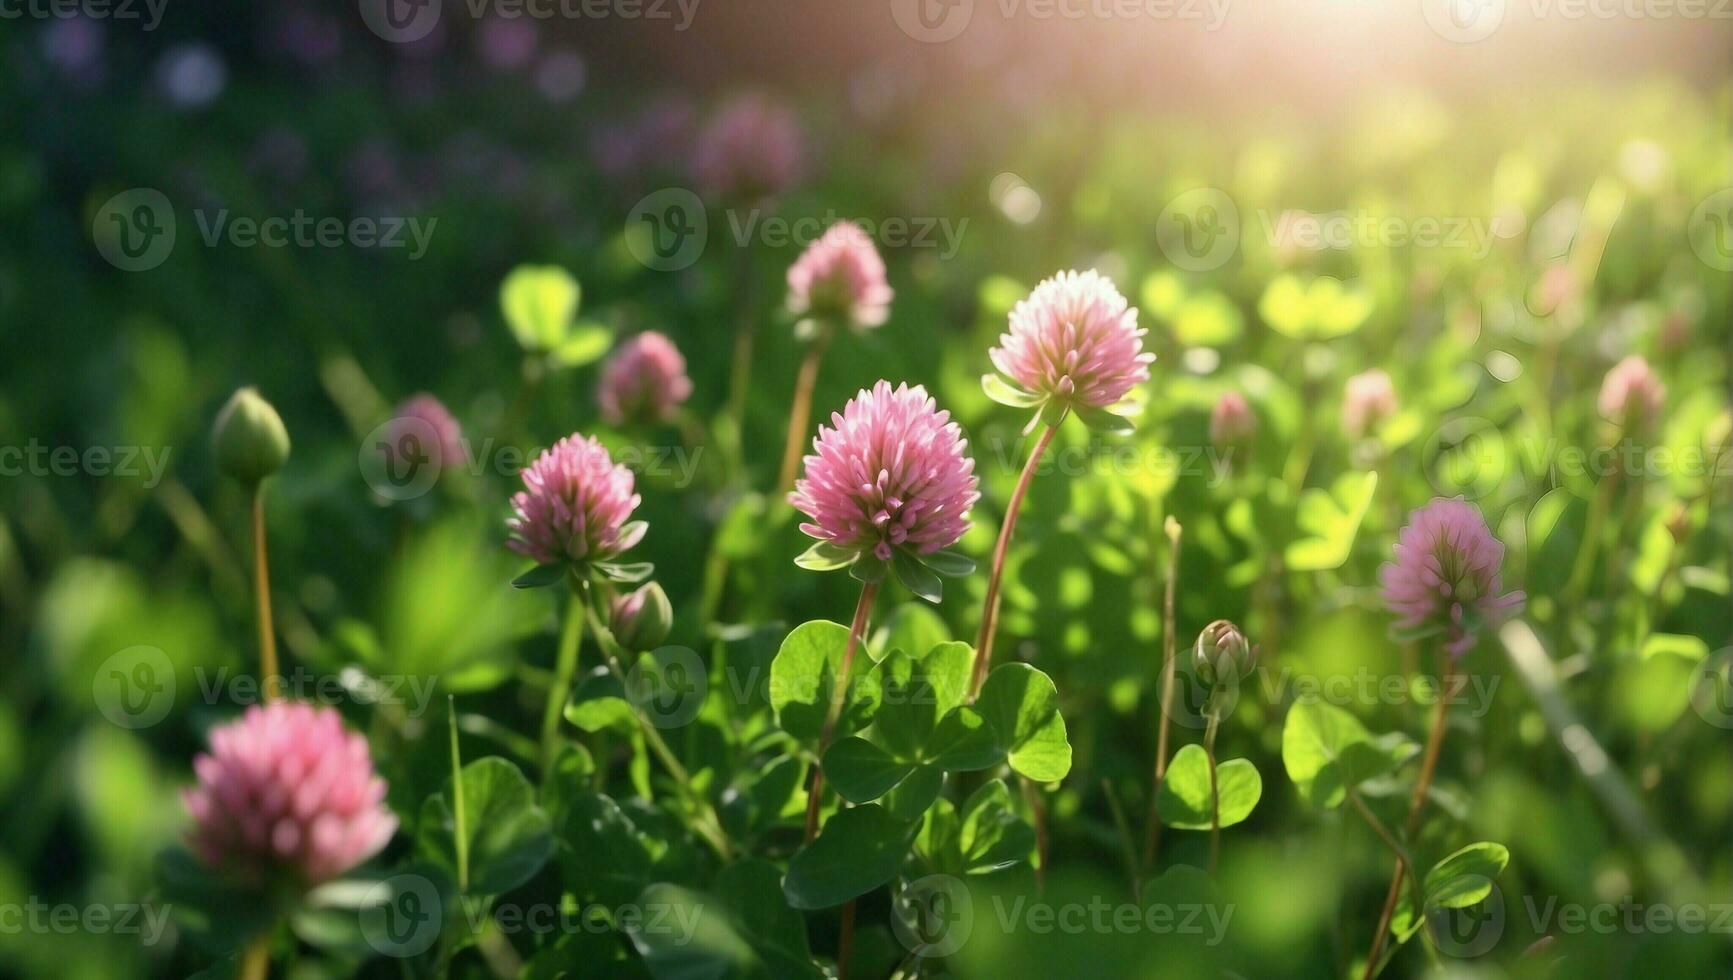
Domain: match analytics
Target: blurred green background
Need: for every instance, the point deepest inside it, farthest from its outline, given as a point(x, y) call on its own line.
point(1576, 172)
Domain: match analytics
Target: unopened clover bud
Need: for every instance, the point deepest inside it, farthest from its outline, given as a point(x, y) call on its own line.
point(249, 439)
point(1222, 651)
point(641, 619)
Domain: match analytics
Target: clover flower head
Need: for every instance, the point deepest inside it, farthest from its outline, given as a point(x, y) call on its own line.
point(1074, 342)
point(1231, 421)
point(1446, 574)
point(840, 278)
point(1632, 394)
point(286, 793)
point(422, 426)
point(751, 148)
point(1367, 400)
point(574, 506)
point(645, 380)
point(890, 472)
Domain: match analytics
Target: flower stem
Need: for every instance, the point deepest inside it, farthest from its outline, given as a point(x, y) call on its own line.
point(256, 959)
point(262, 593)
point(740, 371)
point(565, 668)
point(1417, 805)
point(800, 413)
point(990, 609)
point(460, 825)
point(1215, 796)
point(709, 824)
point(1169, 659)
point(838, 696)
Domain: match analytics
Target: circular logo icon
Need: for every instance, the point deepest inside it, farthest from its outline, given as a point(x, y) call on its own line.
point(401, 458)
point(1463, 21)
point(667, 229)
point(135, 230)
point(668, 685)
point(1465, 457)
point(933, 916)
point(1199, 230)
point(1469, 932)
point(1711, 230)
point(1193, 701)
point(932, 21)
point(401, 21)
point(135, 688)
point(1712, 689)
point(401, 915)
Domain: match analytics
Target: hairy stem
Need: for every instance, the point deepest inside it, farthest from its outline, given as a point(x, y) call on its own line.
point(1416, 806)
point(800, 413)
point(268, 672)
point(1169, 644)
point(565, 668)
point(990, 609)
point(838, 696)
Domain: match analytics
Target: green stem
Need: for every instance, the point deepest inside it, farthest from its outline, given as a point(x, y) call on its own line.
point(800, 412)
point(1215, 797)
point(565, 668)
point(268, 673)
point(990, 608)
point(709, 824)
point(1169, 658)
point(838, 696)
point(256, 959)
point(460, 824)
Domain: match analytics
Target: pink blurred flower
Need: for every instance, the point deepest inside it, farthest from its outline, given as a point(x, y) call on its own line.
point(422, 426)
point(1231, 422)
point(1074, 341)
point(891, 471)
point(751, 148)
point(1447, 573)
point(644, 381)
point(287, 790)
point(840, 278)
point(1632, 394)
point(574, 505)
point(1367, 400)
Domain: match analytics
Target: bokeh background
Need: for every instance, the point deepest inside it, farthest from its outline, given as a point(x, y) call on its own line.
point(1580, 156)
